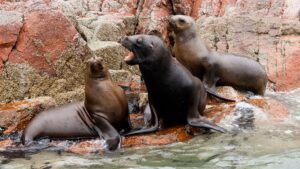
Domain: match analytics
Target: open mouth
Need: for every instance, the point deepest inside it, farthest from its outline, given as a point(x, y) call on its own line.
point(129, 57)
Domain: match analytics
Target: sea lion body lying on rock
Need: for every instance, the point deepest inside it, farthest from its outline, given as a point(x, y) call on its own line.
point(103, 113)
point(175, 95)
point(211, 67)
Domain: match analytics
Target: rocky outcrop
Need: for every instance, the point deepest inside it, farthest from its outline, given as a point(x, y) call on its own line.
point(153, 17)
point(43, 53)
point(272, 41)
point(43, 45)
point(244, 115)
point(10, 26)
point(40, 31)
point(265, 30)
point(16, 116)
point(45, 42)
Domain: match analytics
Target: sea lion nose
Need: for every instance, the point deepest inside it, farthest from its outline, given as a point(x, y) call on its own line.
point(170, 18)
point(101, 59)
point(122, 39)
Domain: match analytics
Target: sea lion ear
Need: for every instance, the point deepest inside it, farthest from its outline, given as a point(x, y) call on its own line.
point(151, 45)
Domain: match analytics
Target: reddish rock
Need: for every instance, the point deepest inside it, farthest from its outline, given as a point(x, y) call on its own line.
point(268, 30)
point(261, 109)
point(284, 64)
point(10, 26)
point(206, 8)
point(185, 7)
point(41, 30)
point(120, 6)
point(137, 120)
point(141, 87)
point(153, 17)
point(133, 87)
point(24, 6)
point(291, 10)
point(218, 112)
point(162, 137)
point(86, 147)
point(273, 109)
point(274, 42)
point(6, 143)
point(229, 116)
point(16, 115)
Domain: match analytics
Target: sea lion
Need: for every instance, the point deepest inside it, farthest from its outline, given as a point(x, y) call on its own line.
point(175, 95)
point(103, 113)
point(213, 68)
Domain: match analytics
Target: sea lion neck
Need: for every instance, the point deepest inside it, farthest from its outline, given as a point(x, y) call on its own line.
point(160, 66)
point(186, 35)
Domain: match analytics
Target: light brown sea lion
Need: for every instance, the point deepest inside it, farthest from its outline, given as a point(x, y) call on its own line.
point(175, 95)
point(104, 112)
point(213, 68)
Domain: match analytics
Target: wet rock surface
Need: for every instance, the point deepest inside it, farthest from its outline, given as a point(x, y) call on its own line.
point(246, 114)
point(15, 116)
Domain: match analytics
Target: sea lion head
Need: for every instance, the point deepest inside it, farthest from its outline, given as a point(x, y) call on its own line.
point(143, 48)
point(181, 23)
point(95, 68)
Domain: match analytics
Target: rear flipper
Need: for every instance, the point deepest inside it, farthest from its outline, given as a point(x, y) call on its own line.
point(215, 94)
point(28, 135)
point(149, 113)
point(201, 122)
point(106, 131)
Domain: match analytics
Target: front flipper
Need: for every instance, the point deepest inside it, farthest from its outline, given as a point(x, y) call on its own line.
point(106, 131)
point(194, 117)
point(215, 94)
point(201, 122)
point(210, 80)
point(149, 114)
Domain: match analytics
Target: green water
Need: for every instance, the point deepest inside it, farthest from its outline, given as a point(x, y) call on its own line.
point(268, 146)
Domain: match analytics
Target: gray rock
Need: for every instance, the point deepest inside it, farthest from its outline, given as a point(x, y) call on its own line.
point(119, 76)
point(10, 17)
point(111, 52)
point(105, 27)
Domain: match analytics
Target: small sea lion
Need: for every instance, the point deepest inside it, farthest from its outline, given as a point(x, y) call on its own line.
point(104, 112)
point(213, 68)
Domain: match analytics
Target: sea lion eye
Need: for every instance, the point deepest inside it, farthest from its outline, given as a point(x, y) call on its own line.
point(151, 45)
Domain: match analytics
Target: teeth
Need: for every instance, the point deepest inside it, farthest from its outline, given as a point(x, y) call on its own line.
point(130, 56)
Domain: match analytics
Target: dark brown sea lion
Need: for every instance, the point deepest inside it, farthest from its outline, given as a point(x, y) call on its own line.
point(103, 113)
point(175, 95)
point(213, 68)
